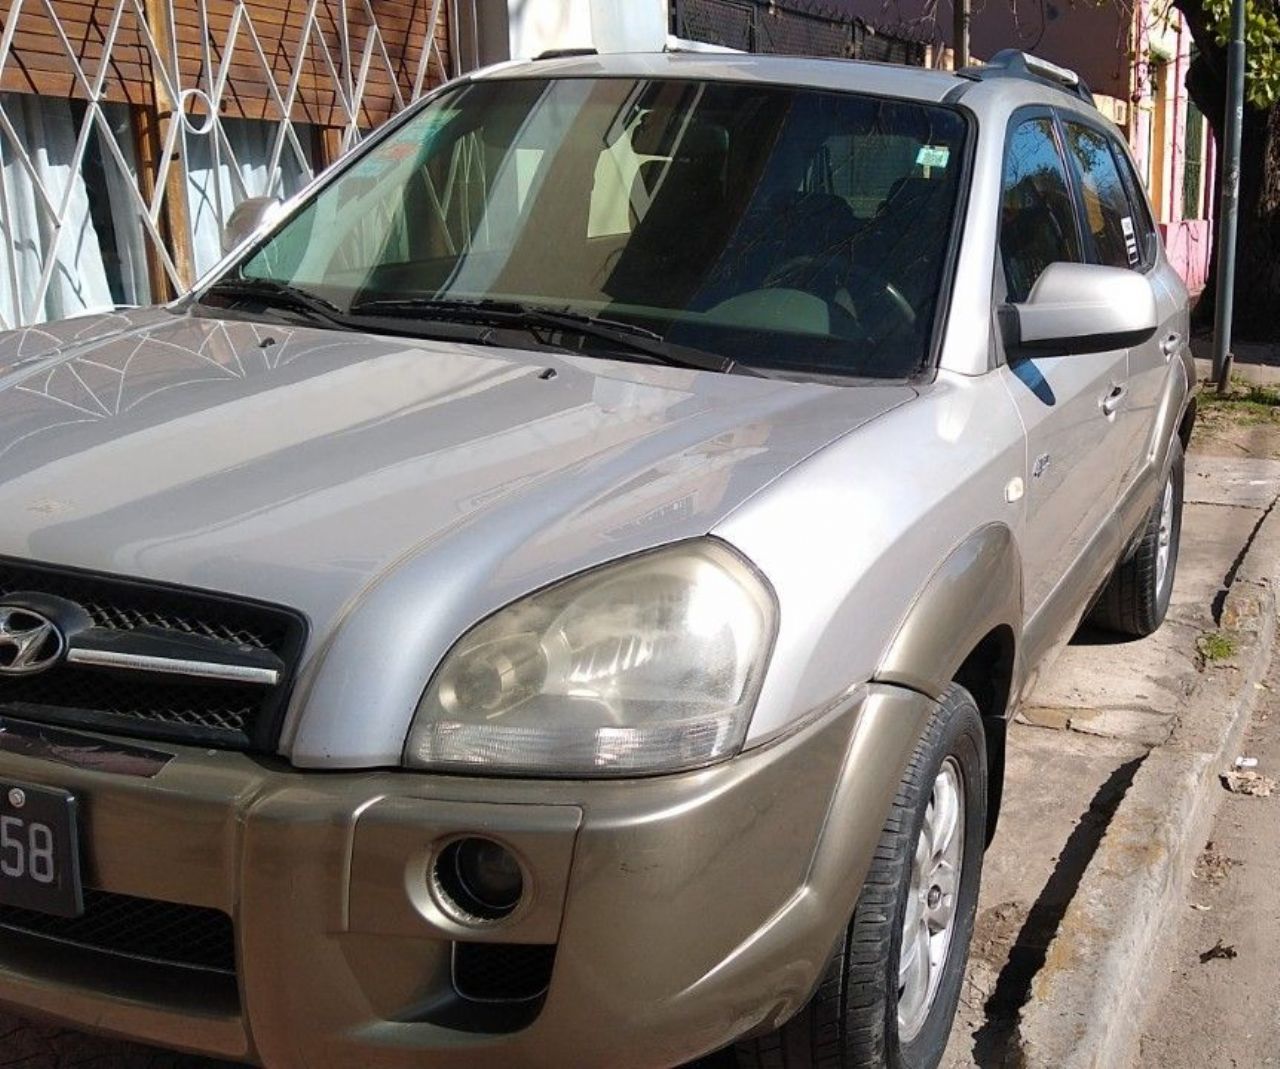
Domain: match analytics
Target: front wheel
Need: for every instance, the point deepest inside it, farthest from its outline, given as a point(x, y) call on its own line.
point(890, 992)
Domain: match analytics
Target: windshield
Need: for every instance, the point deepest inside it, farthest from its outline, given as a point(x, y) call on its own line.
point(780, 228)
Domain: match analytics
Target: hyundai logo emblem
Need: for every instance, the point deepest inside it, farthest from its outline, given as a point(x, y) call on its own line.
point(29, 642)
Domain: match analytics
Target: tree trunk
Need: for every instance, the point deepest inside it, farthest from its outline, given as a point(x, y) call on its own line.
point(1257, 288)
point(1258, 259)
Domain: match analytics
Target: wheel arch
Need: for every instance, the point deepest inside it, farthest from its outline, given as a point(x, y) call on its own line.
point(963, 627)
point(1188, 422)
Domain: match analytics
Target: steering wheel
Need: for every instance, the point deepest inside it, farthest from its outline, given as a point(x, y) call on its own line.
point(882, 287)
point(801, 272)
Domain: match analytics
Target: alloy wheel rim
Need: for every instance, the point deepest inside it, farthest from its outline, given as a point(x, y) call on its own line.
point(1165, 537)
point(930, 913)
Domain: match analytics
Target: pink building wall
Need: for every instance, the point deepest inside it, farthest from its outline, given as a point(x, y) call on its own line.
point(1188, 243)
point(1161, 150)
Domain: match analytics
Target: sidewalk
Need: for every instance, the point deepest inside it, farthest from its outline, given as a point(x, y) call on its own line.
point(1255, 363)
point(1077, 747)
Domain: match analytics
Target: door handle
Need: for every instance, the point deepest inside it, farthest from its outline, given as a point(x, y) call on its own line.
point(1111, 402)
point(1171, 344)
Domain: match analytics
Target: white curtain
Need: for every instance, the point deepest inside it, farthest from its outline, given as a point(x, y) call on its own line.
point(94, 266)
point(216, 184)
point(127, 272)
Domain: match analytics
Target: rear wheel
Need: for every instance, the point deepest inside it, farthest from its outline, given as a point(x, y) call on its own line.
point(1136, 598)
point(890, 991)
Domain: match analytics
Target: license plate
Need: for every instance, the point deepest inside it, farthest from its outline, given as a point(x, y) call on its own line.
point(39, 850)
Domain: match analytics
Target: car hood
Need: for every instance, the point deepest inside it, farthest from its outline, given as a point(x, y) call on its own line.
point(394, 490)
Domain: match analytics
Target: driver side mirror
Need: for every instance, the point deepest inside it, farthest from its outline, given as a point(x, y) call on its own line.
point(1082, 308)
point(248, 215)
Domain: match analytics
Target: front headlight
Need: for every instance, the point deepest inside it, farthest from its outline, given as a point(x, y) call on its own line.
point(650, 664)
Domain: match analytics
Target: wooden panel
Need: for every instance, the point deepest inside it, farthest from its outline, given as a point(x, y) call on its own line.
point(396, 35)
point(396, 32)
point(40, 63)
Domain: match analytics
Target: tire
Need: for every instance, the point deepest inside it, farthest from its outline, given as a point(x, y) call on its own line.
point(852, 1021)
point(1136, 597)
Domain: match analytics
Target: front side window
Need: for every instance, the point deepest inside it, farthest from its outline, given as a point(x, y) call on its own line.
point(1108, 216)
point(1037, 219)
point(782, 228)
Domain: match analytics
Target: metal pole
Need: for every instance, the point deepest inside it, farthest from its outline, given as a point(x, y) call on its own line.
point(960, 31)
point(1229, 210)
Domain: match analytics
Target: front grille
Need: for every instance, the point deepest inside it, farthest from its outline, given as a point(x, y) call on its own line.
point(502, 972)
point(186, 937)
point(128, 605)
point(194, 707)
point(260, 634)
point(201, 712)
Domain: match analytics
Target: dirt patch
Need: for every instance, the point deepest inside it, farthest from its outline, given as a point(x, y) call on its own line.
point(986, 1012)
point(995, 931)
point(1245, 423)
point(994, 934)
point(1213, 867)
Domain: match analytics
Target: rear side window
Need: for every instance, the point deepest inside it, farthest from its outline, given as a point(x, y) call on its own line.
point(1109, 217)
point(1037, 219)
point(1148, 240)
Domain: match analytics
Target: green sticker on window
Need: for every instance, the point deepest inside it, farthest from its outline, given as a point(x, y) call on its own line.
point(408, 142)
point(933, 156)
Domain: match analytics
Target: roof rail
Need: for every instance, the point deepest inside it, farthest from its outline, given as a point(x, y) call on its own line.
point(1012, 63)
point(565, 53)
point(684, 44)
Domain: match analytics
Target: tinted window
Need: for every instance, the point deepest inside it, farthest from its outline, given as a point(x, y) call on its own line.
point(785, 228)
point(1037, 220)
point(1147, 240)
point(1108, 215)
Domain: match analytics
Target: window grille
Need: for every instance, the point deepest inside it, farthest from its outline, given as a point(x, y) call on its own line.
point(130, 129)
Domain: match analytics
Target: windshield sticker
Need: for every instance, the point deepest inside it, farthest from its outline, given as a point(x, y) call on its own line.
point(372, 166)
point(1130, 241)
point(933, 156)
point(408, 142)
point(424, 129)
point(401, 150)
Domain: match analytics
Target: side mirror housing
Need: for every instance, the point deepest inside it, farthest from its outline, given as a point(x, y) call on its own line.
point(248, 215)
point(1082, 308)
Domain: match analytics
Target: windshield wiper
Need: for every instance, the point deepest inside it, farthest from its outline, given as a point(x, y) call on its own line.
point(634, 342)
point(273, 293)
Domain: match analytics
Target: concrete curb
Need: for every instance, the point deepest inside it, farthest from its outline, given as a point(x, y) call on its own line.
point(1086, 1005)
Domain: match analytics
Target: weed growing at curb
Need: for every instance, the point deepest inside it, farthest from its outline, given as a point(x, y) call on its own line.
point(1216, 646)
point(1246, 403)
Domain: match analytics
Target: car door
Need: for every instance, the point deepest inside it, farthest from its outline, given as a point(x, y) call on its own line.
point(1067, 401)
point(1118, 233)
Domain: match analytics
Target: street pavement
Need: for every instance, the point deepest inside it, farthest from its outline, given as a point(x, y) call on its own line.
point(1218, 967)
point(1075, 747)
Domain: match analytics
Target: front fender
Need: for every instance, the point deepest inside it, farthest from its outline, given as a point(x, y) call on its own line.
point(976, 590)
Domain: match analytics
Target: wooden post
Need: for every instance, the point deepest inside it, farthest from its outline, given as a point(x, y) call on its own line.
point(330, 145)
point(177, 211)
point(960, 31)
point(146, 146)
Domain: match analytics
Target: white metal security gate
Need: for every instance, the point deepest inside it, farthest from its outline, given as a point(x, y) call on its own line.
point(311, 77)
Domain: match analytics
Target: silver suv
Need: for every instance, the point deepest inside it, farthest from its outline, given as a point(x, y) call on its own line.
point(554, 595)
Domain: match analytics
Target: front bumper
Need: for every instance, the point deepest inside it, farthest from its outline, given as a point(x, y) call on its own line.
point(686, 910)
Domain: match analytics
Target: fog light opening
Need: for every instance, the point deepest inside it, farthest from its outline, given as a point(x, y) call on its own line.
point(479, 878)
